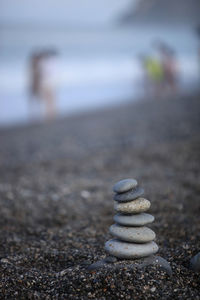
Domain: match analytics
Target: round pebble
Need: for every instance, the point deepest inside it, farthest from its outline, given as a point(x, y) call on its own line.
point(130, 250)
point(132, 234)
point(124, 185)
point(130, 195)
point(133, 220)
point(133, 207)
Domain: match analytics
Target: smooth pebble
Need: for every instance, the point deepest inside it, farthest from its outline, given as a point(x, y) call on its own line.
point(124, 185)
point(133, 207)
point(130, 195)
point(133, 220)
point(130, 250)
point(195, 262)
point(132, 234)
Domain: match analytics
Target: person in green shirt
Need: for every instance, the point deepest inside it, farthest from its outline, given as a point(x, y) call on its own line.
point(155, 74)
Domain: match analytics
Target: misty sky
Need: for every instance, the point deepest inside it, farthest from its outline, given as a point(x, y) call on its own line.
point(68, 12)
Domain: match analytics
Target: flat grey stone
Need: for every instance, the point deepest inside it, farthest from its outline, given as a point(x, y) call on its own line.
point(130, 250)
point(133, 207)
point(124, 185)
point(132, 234)
point(133, 220)
point(130, 195)
point(140, 263)
point(195, 262)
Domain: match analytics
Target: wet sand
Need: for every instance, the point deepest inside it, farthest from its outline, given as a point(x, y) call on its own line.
point(56, 201)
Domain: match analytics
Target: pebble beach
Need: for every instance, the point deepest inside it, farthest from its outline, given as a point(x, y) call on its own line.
point(56, 201)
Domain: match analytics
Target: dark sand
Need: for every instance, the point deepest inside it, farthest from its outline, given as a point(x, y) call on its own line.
point(56, 201)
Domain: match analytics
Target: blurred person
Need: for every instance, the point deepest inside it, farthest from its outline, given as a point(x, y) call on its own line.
point(34, 84)
point(170, 69)
point(43, 82)
point(153, 76)
point(48, 81)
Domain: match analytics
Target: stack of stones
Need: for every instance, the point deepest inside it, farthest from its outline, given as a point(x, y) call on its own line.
point(132, 239)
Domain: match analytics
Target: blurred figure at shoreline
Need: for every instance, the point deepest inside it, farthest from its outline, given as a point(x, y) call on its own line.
point(34, 79)
point(43, 83)
point(153, 76)
point(170, 69)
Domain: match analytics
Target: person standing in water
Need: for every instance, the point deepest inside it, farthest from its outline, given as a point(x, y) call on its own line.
point(153, 76)
point(34, 71)
point(44, 81)
point(170, 69)
point(48, 82)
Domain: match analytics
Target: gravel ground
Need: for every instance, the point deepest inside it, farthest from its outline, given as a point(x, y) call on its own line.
point(56, 201)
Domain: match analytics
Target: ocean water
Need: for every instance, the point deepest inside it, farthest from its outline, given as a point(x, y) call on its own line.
point(95, 68)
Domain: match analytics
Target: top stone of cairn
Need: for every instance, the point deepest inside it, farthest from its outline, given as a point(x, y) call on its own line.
point(124, 185)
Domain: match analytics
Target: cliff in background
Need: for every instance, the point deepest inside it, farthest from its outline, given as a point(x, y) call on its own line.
point(166, 12)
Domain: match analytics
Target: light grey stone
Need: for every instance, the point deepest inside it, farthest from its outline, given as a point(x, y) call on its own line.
point(130, 250)
point(132, 234)
point(130, 195)
point(124, 185)
point(134, 220)
point(195, 262)
point(133, 207)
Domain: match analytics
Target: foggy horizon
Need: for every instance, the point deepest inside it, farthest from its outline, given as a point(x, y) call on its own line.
point(62, 13)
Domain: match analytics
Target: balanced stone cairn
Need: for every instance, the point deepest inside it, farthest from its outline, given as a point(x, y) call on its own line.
point(132, 238)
